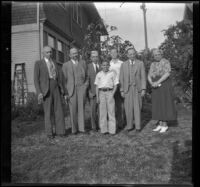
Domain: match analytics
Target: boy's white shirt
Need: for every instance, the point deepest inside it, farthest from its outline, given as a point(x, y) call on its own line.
point(116, 65)
point(106, 80)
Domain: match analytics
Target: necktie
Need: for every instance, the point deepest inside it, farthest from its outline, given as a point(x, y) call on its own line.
point(52, 70)
point(96, 68)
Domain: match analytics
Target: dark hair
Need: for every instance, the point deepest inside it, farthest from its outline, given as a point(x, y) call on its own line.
point(104, 61)
point(73, 48)
point(94, 50)
point(113, 48)
point(129, 48)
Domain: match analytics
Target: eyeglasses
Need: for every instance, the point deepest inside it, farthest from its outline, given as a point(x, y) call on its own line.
point(48, 51)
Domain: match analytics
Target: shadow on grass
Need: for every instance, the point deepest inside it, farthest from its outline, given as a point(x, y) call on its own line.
point(146, 114)
point(181, 172)
point(173, 123)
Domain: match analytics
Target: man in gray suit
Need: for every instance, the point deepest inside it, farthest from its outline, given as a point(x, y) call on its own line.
point(93, 69)
point(49, 88)
point(76, 83)
point(132, 88)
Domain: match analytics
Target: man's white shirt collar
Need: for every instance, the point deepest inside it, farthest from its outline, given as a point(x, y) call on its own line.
point(46, 60)
point(74, 62)
point(95, 65)
point(131, 61)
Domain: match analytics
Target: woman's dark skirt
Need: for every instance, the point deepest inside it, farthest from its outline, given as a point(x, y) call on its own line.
point(163, 105)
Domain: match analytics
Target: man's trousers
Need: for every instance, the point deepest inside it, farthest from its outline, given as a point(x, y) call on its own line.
point(107, 121)
point(53, 109)
point(133, 105)
point(94, 113)
point(119, 109)
point(76, 106)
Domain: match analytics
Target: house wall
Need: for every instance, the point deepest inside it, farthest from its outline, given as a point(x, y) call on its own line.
point(25, 48)
point(24, 13)
point(58, 16)
point(57, 21)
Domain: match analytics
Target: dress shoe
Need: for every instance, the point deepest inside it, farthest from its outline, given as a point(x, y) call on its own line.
point(74, 133)
point(83, 132)
point(111, 134)
point(127, 129)
point(157, 128)
point(94, 130)
point(138, 130)
point(104, 133)
point(62, 135)
point(164, 129)
point(50, 137)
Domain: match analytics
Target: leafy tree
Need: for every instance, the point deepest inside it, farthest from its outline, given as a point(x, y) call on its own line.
point(92, 41)
point(178, 49)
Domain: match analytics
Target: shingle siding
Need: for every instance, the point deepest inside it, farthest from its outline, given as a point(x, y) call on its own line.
point(24, 13)
point(58, 16)
point(25, 48)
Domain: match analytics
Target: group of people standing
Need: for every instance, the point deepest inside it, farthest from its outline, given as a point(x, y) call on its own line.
point(114, 88)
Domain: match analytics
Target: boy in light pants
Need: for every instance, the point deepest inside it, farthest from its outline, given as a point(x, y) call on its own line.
point(106, 84)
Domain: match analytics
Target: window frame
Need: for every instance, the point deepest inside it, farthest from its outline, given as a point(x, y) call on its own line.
point(77, 13)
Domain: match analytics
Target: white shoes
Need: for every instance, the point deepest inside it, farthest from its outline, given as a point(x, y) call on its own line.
point(157, 128)
point(162, 129)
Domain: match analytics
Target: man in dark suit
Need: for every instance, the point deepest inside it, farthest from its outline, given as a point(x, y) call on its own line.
point(76, 83)
point(132, 88)
point(93, 69)
point(49, 88)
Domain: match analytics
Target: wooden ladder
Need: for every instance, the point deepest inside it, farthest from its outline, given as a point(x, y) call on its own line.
point(20, 85)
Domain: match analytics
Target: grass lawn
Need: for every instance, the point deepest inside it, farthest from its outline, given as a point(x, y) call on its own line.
point(126, 158)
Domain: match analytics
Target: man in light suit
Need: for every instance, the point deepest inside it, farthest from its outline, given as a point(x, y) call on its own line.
point(115, 65)
point(93, 69)
point(76, 83)
point(49, 88)
point(132, 88)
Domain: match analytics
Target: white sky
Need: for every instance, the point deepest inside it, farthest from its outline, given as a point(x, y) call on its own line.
point(130, 22)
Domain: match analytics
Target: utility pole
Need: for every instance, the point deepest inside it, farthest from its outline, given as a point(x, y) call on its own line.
point(143, 7)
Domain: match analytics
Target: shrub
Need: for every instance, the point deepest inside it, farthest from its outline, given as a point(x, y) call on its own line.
point(30, 111)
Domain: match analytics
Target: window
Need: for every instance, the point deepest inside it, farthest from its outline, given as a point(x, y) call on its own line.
point(77, 13)
point(52, 44)
point(60, 51)
point(45, 38)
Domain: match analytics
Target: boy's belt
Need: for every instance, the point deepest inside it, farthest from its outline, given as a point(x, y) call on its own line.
point(105, 89)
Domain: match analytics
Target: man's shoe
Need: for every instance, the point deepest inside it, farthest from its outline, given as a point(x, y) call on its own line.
point(164, 129)
point(128, 129)
point(62, 135)
point(74, 133)
point(94, 130)
point(138, 130)
point(50, 137)
point(158, 128)
point(104, 133)
point(83, 132)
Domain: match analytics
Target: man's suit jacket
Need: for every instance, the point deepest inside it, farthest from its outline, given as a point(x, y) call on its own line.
point(41, 77)
point(140, 76)
point(91, 78)
point(69, 77)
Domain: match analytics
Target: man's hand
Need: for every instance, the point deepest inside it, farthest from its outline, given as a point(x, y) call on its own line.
point(91, 95)
point(98, 100)
point(113, 93)
point(143, 93)
point(122, 94)
point(156, 84)
point(66, 97)
point(40, 98)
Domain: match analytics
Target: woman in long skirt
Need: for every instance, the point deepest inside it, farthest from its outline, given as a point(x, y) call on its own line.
point(163, 106)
